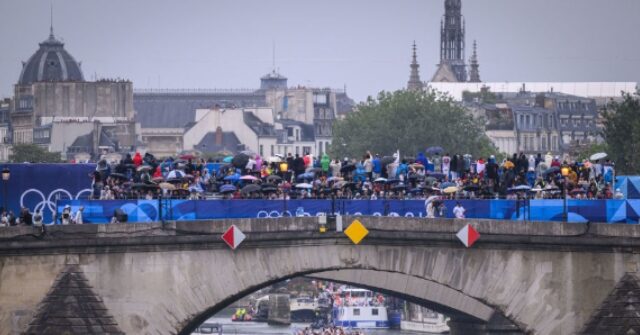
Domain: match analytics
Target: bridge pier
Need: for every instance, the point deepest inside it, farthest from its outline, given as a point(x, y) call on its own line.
point(497, 325)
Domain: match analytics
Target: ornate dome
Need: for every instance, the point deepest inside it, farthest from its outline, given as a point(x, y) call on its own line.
point(50, 63)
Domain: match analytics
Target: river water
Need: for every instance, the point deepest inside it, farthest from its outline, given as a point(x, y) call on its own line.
point(259, 328)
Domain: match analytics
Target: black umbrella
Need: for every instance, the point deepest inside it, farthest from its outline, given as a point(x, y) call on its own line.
point(274, 179)
point(145, 186)
point(399, 187)
point(348, 168)
point(386, 160)
point(240, 160)
point(251, 188)
point(314, 170)
point(118, 175)
point(393, 181)
point(552, 169)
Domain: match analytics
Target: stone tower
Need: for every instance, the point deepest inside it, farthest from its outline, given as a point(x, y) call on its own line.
point(474, 73)
point(452, 46)
point(414, 83)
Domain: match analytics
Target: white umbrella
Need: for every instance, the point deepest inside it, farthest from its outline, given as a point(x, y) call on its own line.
point(175, 174)
point(304, 185)
point(274, 159)
point(599, 155)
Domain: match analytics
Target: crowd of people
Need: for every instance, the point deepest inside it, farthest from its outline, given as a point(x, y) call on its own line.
point(372, 176)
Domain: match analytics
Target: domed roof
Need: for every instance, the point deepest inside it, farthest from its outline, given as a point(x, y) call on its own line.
point(50, 63)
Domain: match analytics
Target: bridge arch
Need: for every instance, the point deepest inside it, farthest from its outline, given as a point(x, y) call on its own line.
point(433, 295)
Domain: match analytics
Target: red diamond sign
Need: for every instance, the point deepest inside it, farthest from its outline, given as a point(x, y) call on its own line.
point(233, 237)
point(468, 235)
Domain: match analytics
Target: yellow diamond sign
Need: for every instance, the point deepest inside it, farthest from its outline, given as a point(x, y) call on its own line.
point(356, 231)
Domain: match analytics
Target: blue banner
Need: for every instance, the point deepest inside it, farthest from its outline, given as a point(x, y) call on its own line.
point(39, 186)
point(614, 211)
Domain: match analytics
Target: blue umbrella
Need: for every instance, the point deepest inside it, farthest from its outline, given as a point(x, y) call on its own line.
point(233, 177)
point(552, 169)
point(227, 159)
point(447, 184)
point(308, 175)
point(227, 188)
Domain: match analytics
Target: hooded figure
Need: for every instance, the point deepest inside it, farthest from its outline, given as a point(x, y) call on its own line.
point(325, 162)
point(137, 159)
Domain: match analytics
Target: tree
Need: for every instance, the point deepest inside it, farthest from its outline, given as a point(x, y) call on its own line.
point(622, 133)
point(33, 153)
point(409, 121)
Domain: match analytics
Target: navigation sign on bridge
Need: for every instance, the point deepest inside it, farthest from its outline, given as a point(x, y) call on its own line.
point(356, 231)
point(233, 237)
point(468, 235)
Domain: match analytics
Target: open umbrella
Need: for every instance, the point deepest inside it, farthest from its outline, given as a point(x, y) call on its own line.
point(380, 180)
point(249, 177)
point(273, 178)
point(167, 186)
point(303, 176)
point(304, 185)
point(437, 176)
point(227, 159)
point(233, 177)
point(175, 174)
point(144, 186)
point(274, 159)
point(552, 169)
point(227, 188)
point(187, 156)
point(434, 150)
point(393, 181)
point(398, 187)
point(118, 176)
point(251, 188)
point(157, 179)
point(447, 184)
point(339, 184)
point(599, 155)
point(240, 160)
point(416, 190)
point(248, 153)
point(417, 166)
point(332, 179)
point(450, 189)
point(521, 188)
point(313, 170)
point(578, 191)
point(144, 168)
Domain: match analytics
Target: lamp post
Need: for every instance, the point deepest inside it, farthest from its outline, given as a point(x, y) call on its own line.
point(6, 174)
point(565, 174)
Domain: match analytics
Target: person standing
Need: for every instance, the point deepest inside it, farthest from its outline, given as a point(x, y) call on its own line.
point(458, 211)
point(77, 219)
point(446, 165)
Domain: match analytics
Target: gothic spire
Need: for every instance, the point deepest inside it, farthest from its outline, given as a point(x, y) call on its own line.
point(474, 74)
point(452, 41)
point(414, 82)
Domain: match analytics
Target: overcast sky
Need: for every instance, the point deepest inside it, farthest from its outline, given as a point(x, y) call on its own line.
point(363, 44)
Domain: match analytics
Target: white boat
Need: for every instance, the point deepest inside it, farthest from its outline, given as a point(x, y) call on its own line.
point(364, 317)
point(429, 322)
point(359, 308)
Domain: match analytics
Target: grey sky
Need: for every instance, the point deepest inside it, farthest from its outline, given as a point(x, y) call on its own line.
point(364, 44)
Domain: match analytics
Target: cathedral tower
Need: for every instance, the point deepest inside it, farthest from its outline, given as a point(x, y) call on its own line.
point(452, 65)
point(414, 82)
point(474, 73)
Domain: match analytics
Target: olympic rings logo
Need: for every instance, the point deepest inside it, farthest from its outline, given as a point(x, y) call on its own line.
point(49, 202)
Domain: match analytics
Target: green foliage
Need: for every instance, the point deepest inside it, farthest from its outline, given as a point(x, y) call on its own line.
point(622, 133)
point(485, 95)
point(33, 153)
point(410, 121)
point(585, 152)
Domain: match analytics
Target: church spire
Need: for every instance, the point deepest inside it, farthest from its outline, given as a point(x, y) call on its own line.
point(414, 82)
point(474, 73)
point(51, 23)
point(452, 43)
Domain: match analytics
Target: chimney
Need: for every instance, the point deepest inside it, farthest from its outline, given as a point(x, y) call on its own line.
point(219, 136)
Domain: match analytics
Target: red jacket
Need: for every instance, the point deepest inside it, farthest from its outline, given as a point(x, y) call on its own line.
point(137, 159)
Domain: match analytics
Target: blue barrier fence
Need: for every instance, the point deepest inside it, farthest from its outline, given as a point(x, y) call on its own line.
point(613, 211)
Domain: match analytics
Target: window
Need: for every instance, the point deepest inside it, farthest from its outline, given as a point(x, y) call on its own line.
point(272, 150)
point(528, 120)
point(356, 311)
point(543, 143)
point(290, 131)
point(297, 150)
point(261, 150)
point(306, 150)
point(554, 143)
point(297, 134)
point(521, 120)
point(374, 311)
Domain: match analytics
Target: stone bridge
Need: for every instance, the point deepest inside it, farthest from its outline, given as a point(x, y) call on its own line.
point(533, 278)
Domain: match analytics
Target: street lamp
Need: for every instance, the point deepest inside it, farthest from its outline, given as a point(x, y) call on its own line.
point(565, 174)
point(6, 174)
